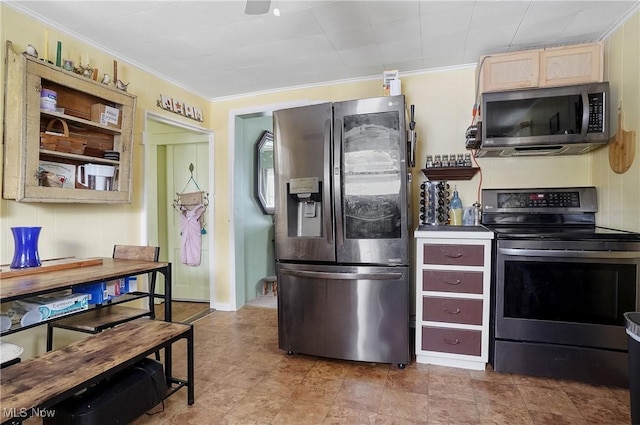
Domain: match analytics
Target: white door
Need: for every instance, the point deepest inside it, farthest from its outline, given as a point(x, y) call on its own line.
point(190, 283)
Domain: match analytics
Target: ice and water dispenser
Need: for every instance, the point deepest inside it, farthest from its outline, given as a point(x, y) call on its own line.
point(304, 207)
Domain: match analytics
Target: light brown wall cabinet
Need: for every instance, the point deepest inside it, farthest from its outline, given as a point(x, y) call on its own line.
point(34, 170)
point(557, 66)
point(453, 275)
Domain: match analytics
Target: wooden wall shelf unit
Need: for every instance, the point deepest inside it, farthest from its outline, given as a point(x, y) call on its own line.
point(26, 77)
point(450, 173)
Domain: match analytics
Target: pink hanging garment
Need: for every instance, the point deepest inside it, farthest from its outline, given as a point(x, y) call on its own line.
point(191, 235)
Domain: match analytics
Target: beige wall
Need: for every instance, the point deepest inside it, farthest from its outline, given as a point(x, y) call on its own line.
point(620, 193)
point(82, 230)
point(85, 230)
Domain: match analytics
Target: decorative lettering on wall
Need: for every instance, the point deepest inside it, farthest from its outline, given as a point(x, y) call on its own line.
point(177, 106)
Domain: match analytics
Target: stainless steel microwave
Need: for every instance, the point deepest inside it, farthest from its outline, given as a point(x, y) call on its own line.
point(566, 120)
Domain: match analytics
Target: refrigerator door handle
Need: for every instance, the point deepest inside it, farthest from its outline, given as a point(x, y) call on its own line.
point(343, 276)
point(328, 215)
point(337, 181)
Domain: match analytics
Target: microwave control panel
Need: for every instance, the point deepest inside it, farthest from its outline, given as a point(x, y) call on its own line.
point(596, 113)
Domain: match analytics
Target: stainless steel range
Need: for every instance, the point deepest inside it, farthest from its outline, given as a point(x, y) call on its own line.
point(561, 285)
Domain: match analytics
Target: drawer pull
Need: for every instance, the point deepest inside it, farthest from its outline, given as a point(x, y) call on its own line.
point(456, 311)
point(457, 255)
point(454, 342)
point(448, 282)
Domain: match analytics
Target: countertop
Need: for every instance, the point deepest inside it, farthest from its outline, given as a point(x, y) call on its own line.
point(453, 232)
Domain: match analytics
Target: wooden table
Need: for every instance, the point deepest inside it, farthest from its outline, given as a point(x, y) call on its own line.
point(17, 287)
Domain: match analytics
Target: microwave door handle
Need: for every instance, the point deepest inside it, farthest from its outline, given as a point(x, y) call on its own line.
point(326, 187)
point(585, 112)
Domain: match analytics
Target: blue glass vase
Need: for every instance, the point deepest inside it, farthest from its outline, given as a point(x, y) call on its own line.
point(26, 247)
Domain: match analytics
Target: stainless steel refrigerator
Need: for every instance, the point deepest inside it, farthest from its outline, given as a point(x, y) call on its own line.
point(342, 230)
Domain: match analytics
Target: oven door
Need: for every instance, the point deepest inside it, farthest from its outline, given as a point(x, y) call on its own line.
point(565, 292)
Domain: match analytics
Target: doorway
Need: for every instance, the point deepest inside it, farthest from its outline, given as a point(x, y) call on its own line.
point(179, 158)
point(253, 253)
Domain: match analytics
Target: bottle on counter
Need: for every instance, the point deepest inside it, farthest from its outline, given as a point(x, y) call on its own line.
point(477, 213)
point(455, 210)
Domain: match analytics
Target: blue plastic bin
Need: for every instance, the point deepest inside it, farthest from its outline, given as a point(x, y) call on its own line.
point(97, 292)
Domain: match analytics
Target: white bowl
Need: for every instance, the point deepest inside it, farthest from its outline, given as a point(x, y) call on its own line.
point(5, 323)
point(31, 317)
point(9, 351)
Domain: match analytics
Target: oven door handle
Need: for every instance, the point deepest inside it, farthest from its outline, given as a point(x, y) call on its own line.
point(567, 253)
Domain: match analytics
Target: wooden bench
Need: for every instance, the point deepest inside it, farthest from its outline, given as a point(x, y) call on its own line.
point(95, 321)
point(36, 384)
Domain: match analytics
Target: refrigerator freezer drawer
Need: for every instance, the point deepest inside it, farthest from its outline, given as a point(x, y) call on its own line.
point(351, 313)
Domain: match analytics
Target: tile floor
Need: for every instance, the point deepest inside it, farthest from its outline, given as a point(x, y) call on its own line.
point(243, 378)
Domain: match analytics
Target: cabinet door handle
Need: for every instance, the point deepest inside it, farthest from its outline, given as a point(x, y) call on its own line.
point(448, 282)
point(457, 255)
point(454, 342)
point(456, 311)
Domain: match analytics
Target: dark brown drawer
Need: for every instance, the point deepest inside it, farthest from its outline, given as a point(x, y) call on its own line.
point(456, 341)
point(452, 310)
point(451, 254)
point(452, 281)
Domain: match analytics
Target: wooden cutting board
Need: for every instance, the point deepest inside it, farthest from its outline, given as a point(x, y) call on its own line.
point(49, 266)
point(622, 148)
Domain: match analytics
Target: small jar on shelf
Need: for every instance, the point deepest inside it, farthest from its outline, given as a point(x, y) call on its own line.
point(429, 163)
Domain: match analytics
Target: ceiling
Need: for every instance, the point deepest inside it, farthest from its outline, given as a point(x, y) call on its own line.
point(214, 49)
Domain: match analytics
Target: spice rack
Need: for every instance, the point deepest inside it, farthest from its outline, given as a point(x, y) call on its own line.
point(450, 173)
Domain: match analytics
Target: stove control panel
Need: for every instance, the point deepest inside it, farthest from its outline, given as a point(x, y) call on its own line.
point(551, 200)
point(539, 200)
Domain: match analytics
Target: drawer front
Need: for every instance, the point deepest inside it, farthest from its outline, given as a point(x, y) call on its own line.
point(451, 254)
point(452, 310)
point(455, 341)
point(452, 281)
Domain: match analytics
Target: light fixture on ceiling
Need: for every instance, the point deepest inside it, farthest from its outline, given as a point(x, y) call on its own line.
point(257, 7)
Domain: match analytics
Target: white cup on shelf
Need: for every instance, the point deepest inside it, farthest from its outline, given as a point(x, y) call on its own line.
point(96, 176)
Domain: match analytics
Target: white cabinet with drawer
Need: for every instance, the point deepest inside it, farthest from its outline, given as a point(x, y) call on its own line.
point(453, 277)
